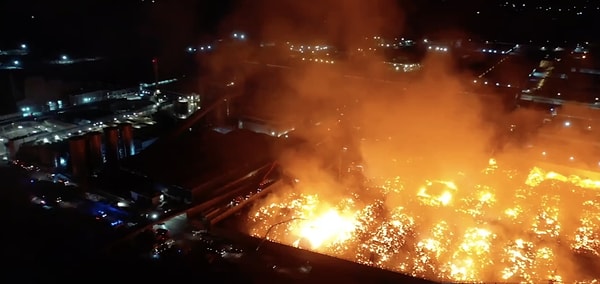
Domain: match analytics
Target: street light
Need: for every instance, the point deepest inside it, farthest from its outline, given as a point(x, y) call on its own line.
point(23, 46)
point(264, 239)
point(64, 57)
point(16, 63)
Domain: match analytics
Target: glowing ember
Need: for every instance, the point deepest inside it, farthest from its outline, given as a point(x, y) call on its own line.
point(534, 228)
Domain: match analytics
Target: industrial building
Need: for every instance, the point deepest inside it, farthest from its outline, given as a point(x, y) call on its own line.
point(83, 154)
point(79, 141)
point(200, 163)
point(564, 77)
point(259, 125)
point(53, 126)
point(211, 149)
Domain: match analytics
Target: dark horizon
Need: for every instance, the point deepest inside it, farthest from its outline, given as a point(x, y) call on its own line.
point(108, 27)
point(161, 28)
point(130, 33)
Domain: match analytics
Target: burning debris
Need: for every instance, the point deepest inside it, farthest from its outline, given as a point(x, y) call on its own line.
point(493, 225)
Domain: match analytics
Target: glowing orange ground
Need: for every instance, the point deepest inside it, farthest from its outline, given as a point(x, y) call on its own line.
point(497, 225)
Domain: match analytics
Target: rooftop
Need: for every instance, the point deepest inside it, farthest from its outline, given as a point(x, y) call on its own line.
point(200, 156)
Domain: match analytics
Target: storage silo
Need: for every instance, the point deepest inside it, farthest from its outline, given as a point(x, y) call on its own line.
point(48, 155)
point(11, 149)
point(111, 149)
point(126, 130)
point(96, 159)
point(78, 157)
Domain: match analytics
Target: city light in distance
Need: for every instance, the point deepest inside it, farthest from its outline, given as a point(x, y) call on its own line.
point(241, 36)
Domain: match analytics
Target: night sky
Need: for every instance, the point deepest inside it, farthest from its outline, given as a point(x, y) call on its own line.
point(96, 25)
point(105, 26)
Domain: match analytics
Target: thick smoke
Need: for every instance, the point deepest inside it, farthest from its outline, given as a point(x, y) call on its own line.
point(426, 127)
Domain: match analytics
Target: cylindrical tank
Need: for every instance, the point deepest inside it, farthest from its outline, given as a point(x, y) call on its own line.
point(126, 130)
point(48, 155)
point(181, 107)
point(111, 152)
point(78, 153)
point(11, 148)
point(95, 150)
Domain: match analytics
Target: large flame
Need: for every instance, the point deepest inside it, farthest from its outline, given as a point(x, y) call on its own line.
point(518, 231)
point(330, 227)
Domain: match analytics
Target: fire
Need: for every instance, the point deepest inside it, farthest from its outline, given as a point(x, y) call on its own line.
point(538, 175)
point(442, 199)
point(330, 227)
point(526, 228)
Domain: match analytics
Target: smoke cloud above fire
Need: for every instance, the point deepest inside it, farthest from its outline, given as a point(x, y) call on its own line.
point(429, 118)
point(429, 115)
point(424, 142)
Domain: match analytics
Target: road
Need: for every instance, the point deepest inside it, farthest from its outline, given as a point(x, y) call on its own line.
point(177, 226)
